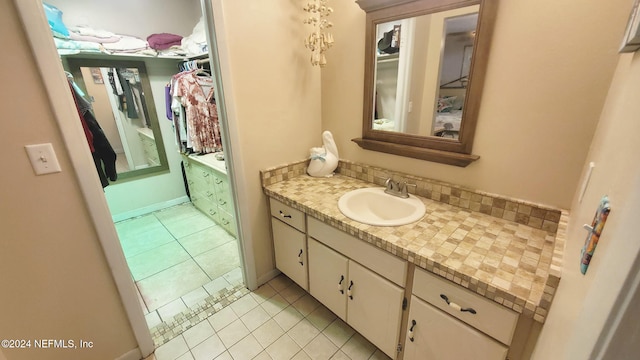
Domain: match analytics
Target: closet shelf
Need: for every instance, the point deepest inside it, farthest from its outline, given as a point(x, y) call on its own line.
point(104, 56)
point(195, 57)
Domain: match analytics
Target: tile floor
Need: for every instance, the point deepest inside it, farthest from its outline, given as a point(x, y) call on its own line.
point(278, 321)
point(177, 257)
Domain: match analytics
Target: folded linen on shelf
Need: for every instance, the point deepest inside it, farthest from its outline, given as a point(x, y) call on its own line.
point(63, 44)
point(127, 44)
point(78, 37)
point(196, 43)
point(163, 41)
point(87, 33)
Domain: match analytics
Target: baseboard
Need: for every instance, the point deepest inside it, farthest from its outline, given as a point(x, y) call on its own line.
point(134, 354)
point(268, 276)
point(149, 209)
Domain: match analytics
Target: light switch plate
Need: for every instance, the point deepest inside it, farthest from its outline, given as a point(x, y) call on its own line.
point(43, 159)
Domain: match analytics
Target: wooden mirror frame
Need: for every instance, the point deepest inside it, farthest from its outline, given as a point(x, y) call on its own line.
point(431, 148)
point(74, 63)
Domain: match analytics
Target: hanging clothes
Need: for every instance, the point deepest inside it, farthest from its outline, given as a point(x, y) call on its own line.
point(167, 101)
point(123, 89)
point(195, 91)
point(104, 157)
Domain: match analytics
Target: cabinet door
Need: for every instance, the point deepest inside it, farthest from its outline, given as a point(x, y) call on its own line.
point(374, 308)
point(328, 277)
point(437, 335)
point(291, 252)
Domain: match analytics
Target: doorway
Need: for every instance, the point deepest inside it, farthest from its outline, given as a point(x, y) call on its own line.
point(47, 59)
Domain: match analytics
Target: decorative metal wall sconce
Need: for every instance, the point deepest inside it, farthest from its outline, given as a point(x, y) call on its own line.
point(319, 40)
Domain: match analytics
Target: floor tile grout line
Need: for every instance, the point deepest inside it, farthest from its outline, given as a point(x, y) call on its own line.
point(193, 257)
point(159, 271)
point(165, 225)
point(168, 268)
point(202, 286)
point(200, 266)
point(287, 332)
point(182, 246)
point(160, 223)
point(145, 310)
point(264, 348)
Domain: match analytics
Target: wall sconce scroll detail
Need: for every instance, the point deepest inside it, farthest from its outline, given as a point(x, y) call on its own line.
point(319, 40)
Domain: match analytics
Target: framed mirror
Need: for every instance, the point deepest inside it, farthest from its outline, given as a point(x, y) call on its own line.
point(425, 62)
point(122, 103)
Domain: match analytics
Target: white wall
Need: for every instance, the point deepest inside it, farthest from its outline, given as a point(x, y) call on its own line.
point(139, 18)
point(583, 302)
point(277, 102)
point(55, 280)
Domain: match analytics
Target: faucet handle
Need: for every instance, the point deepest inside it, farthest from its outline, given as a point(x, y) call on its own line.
point(403, 188)
point(390, 184)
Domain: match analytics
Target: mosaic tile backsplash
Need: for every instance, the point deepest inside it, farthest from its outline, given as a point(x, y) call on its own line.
point(507, 250)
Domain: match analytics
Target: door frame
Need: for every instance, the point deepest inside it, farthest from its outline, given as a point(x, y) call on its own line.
point(50, 68)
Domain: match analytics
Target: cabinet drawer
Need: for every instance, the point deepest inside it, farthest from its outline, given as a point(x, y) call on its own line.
point(220, 182)
point(287, 214)
point(198, 182)
point(208, 207)
point(224, 201)
point(202, 173)
point(228, 222)
point(381, 262)
point(490, 318)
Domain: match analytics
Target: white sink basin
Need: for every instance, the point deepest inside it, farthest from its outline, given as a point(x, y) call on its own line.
point(374, 207)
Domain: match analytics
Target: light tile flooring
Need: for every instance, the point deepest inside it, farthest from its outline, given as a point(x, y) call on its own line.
point(278, 321)
point(177, 257)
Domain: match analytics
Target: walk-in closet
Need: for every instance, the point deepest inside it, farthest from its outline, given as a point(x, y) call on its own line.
point(142, 82)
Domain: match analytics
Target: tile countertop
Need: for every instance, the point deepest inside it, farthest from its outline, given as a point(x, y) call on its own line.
point(510, 263)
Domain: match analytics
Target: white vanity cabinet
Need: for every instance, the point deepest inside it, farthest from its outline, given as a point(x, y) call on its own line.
point(345, 275)
point(449, 322)
point(290, 242)
point(209, 191)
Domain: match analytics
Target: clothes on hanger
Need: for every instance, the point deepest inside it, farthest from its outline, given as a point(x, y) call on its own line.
point(123, 88)
point(194, 109)
point(104, 157)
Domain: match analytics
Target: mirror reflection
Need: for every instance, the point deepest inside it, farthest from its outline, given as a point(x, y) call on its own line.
point(422, 71)
point(120, 99)
point(120, 105)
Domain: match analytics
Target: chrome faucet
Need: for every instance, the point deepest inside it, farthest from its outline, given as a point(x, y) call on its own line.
point(397, 188)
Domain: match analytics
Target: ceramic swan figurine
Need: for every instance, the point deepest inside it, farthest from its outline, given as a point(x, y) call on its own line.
point(324, 160)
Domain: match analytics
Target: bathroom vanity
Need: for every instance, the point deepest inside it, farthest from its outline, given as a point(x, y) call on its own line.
point(209, 189)
point(470, 280)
